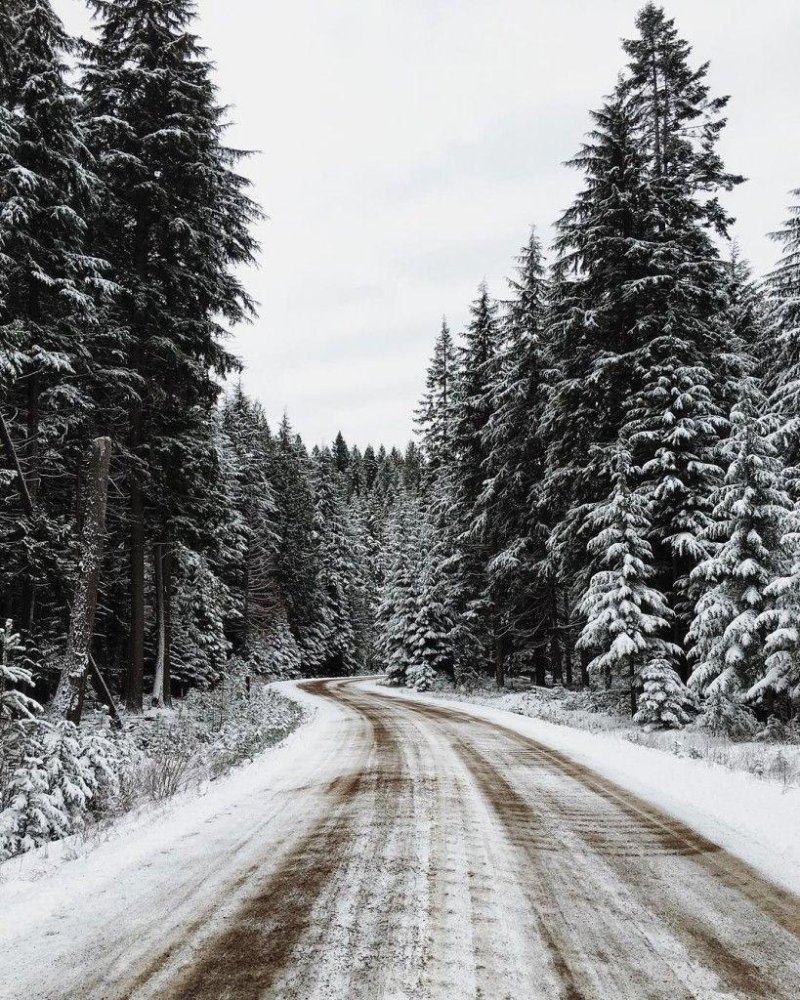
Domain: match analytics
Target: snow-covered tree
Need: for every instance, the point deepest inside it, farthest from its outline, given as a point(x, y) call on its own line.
point(626, 617)
point(509, 512)
point(433, 417)
point(750, 516)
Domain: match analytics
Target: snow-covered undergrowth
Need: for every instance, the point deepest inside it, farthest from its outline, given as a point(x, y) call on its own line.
point(770, 752)
point(57, 780)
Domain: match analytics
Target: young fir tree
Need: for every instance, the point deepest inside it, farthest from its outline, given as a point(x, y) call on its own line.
point(251, 572)
point(431, 651)
point(626, 617)
point(433, 417)
point(175, 224)
point(751, 514)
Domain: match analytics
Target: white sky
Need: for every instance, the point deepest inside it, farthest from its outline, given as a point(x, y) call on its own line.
point(406, 145)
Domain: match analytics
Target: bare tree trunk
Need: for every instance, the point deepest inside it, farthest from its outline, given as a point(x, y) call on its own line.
point(134, 687)
point(166, 577)
point(158, 682)
point(567, 633)
point(499, 664)
point(555, 639)
point(68, 701)
point(13, 461)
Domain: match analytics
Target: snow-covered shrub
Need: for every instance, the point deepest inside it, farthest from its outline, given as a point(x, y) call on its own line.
point(665, 701)
point(773, 732)
point(64, 776)
point(724, 716)
point(173, 755)
point(17, 710)
point(276, 654)
point(421, 677)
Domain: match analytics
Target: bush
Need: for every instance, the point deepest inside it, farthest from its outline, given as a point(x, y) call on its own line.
point(724, 716)
point(64, 776)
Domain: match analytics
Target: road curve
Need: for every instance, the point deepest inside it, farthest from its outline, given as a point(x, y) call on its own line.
point(409, 851)
point(457, 859)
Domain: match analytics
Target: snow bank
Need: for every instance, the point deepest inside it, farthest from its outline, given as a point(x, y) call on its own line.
point(756, 820)
point(145, 830)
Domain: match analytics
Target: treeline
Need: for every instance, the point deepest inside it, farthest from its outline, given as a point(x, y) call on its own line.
point(123, 227)
point(611, 494)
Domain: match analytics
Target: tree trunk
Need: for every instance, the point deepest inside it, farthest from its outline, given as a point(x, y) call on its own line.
point(567, 632)
point(585, 657)
point(135, 683)
point(539, 667)
point(499, 664)
point(13, 460)
point(68, 701)
point(555, 639)
point(166, 579)
point(158, 572)
point(134, 687)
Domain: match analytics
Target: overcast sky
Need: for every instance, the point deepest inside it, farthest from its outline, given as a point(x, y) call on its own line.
point(406, 146)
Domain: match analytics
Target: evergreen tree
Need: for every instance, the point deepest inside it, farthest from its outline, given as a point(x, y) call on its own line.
point(433, 417)
point(509, 507)
point(474, 630)
point(174, 225)
point(751, 512)
point(626, 617)
point(51, 287)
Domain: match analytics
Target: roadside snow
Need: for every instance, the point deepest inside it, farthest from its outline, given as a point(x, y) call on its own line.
point(113, 842)
point(756, 820)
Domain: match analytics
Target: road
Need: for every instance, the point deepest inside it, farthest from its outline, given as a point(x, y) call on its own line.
point(421, 852)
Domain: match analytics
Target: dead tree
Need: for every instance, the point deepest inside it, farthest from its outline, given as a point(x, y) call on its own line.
point(68, 701)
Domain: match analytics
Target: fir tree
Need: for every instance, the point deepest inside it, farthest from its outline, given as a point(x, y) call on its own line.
point(433, 416)
point(626, 617)
point(509, 508)
point(173, 191)
point(750, 516)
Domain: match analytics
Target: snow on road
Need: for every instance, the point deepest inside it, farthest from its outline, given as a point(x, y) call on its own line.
point(398, 848)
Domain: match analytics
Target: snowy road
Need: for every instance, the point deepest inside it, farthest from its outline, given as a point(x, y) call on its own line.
point(407, 850)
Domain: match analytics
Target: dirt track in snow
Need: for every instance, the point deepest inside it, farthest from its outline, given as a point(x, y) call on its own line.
point(441, 856)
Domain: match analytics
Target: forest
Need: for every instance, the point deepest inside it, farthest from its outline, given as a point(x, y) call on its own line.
point(602, 492)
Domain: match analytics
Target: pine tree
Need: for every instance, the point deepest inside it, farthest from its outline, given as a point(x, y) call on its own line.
point(174, 225)
point(626, 617)
point(471, 408)
point(751, 512)
point(599, 293)
point(688, 376)
point(51, 287)
point(337, 577)
point(398, 609)
point(297, 556)
point(433, 417)
point(509, 508)
point(780, 345)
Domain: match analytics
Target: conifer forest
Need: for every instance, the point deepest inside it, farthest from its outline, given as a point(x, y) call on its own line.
point(596, 524)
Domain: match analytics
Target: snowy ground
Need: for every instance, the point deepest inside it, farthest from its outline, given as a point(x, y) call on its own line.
point(401, 847)
point(777, 762)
